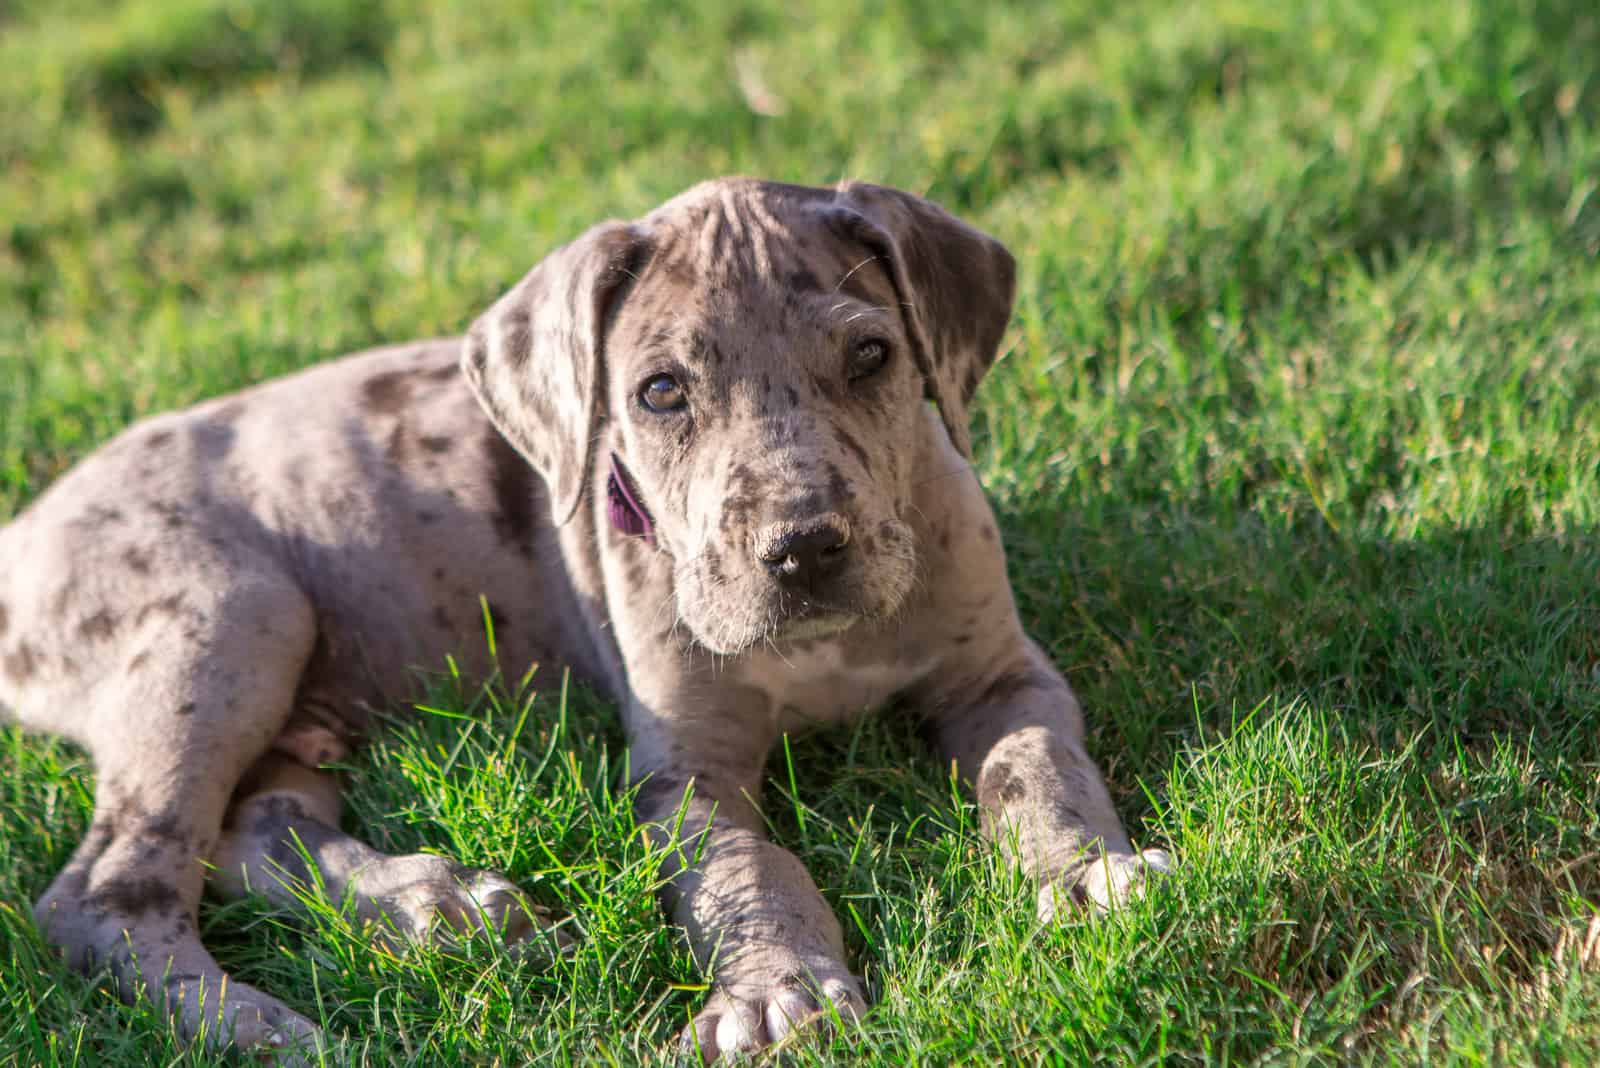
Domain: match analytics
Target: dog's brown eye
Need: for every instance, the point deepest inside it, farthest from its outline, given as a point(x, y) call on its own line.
point(869, 358)
point(662, 393)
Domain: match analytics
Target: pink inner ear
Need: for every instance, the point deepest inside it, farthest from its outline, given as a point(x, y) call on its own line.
point(626, 513)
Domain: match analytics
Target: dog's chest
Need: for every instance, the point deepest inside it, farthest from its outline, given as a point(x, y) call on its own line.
point(823, 683)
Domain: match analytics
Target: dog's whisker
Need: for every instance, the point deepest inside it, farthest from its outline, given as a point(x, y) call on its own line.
point(962, 470)
point(840, 284)
point(863, 311)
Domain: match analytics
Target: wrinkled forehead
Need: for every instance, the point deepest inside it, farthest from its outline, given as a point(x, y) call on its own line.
point(749, 261)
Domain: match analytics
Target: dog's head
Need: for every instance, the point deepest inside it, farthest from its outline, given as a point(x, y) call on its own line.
point(762, 353)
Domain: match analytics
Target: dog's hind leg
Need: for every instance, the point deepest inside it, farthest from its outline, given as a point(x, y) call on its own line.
point(286, 813)
point(210, 685)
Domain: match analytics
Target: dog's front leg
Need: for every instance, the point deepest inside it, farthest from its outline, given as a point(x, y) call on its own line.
point(1015, 732)
point(754, 917)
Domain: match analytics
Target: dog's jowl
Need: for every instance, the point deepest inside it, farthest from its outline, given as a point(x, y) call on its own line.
point(690, 457)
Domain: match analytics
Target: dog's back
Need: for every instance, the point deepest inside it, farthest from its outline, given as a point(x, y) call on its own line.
point(371, 485)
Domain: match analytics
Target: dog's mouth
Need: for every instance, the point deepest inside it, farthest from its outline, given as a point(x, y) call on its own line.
point(811, 619)
point(729, 629)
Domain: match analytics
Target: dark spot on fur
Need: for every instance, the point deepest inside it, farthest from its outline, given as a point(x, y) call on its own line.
point(213, 440)
point(442, 374)
point(272, 819)
point(512, 480)
point(386, 393)
point(338, 505)
point(98, 516)
point(850, 443)
point(497, 618)
point(169, 512)
point(441, 618)
point(166, 606)
point(438, 574)
point(64, 597)
point(437, 443)
point(794, 397)
point(1008, 685)
point(99, 626)
point(658, 796)
point(516, 333)
point(399, 443)
point(270, 815)
point(801, 279)
point(988, 532)
point(167, 827)
point(944, 537)
point(426, 517)
point(5, 620)
point(998, 786)
point(662, 340)
point(838, 485)
point(185, 709)
point(159, 439)
point(129, 895)
point(737, 510)
point(961, 639)
point(21, 663)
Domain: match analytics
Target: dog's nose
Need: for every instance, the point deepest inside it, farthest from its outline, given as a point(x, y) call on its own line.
point(800, 553)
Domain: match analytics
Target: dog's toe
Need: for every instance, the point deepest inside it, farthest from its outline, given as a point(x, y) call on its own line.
point(500, 905)
point(445, 903)
point(289, 1043)
point(1103, 883)
point(228, 1014)
point(731, 1024)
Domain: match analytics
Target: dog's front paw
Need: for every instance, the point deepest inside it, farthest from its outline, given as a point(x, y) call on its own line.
point(224, 1013)
point(751, 1016)
point(1102, 883)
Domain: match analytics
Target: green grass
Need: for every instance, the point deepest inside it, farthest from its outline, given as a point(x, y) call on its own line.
point(1296, 449)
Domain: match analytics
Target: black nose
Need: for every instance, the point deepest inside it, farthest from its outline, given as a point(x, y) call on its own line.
point(799, 554)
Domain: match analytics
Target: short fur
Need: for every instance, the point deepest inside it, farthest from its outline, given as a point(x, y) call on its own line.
point(213, 603)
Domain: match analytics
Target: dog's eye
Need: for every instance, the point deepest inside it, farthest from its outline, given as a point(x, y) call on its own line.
point(869, 358)
point(662, 393)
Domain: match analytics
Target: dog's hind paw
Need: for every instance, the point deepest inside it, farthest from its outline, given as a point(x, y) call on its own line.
point(444, 902)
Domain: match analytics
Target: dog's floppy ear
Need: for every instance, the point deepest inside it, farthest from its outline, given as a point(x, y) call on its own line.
point(955, 286)
point(536, 358)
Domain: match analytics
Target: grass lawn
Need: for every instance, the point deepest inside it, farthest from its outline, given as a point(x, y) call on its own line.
point(1296, 450)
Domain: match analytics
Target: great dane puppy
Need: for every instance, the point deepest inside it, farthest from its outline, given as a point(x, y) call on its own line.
point(690, 457)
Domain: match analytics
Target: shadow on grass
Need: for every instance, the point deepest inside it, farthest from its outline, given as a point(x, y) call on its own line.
point(204, 47)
